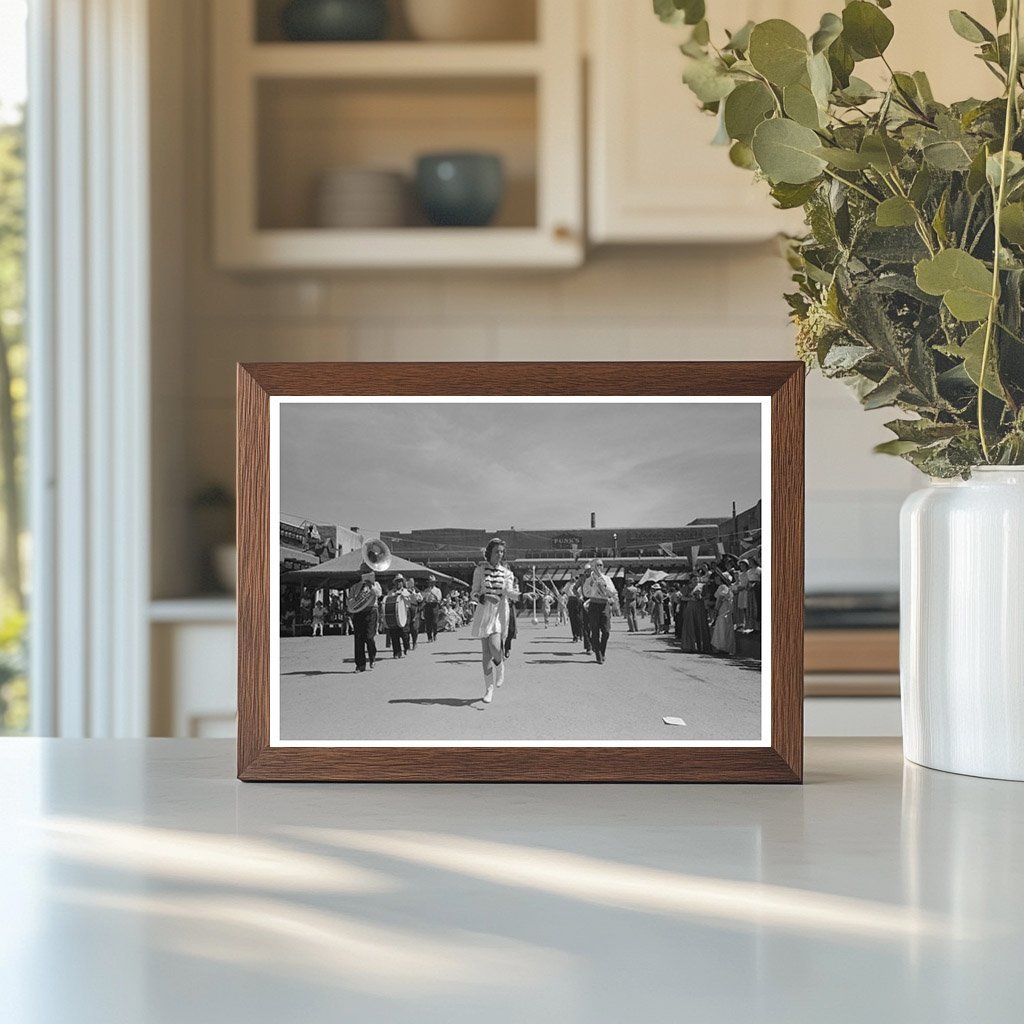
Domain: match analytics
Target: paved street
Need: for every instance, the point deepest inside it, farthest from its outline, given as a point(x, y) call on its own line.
point(552, 691)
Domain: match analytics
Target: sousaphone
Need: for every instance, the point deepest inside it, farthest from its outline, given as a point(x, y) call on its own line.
point(376, 554)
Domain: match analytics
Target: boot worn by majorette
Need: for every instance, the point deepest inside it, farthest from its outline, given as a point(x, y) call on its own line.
point(489, 684)
point(499, 673)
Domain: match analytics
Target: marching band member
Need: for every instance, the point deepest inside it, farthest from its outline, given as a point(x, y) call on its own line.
point(431, 608)
point(398, 636)
point(362, 600)
point(493, 586)
point(577, 613)
point(414, 602)
point(599, 596)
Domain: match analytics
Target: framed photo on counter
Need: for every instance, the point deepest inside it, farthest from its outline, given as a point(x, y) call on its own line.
point(520, 572)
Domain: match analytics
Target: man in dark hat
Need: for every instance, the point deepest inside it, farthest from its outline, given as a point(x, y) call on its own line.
point(398, 633)
point(431, 608)
point(362, 598)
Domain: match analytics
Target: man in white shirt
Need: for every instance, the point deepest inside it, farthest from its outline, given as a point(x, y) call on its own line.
point(398, 633)
point(599, 597)
point(431, 607)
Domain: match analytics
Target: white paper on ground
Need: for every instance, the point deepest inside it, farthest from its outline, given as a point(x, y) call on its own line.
point(669, 720)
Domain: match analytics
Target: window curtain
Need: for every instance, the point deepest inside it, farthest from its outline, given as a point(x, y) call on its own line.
point(88, 323)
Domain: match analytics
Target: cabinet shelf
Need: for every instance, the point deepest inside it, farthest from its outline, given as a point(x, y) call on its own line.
point(286, 114)
point(393, 60)
point(310, 248)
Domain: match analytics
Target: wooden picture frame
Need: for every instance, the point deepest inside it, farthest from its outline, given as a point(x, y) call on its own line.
point(779, 759)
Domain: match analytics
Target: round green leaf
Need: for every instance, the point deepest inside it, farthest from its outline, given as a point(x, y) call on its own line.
point(785, 152)
point(740, 39)
point(743, 156)
point(1012, 223)
point(947, 156)
point(963, 281)
point(746, 107)
point(708, 81)
point(829, 30)
point(820, 75)
point(844, 159)
point(882, 152)
point(895, 212)
point(779, 51)
point(801, 106)
point(841, 62)
point(866, 29)
point(972, 352)
point(674, 12)
point(968, 28)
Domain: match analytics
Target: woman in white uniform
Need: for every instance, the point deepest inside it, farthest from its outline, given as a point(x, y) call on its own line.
point(493, 586)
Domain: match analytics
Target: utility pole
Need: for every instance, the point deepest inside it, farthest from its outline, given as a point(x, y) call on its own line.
point(735, 541)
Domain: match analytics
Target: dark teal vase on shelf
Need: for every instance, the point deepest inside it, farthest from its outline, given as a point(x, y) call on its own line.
point(334, 21)
point(460, 190)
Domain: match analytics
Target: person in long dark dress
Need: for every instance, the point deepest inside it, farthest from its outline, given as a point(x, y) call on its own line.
point(696, 637)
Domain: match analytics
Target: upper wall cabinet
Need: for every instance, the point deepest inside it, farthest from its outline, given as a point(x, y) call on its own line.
point(316, 143)
point(654, 175)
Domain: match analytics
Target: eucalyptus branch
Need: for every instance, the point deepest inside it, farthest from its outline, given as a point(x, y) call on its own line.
point(1000, 198)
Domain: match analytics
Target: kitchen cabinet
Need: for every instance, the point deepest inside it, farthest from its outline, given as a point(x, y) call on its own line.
point(653, 175)
point(287, 113)
point(193, 670)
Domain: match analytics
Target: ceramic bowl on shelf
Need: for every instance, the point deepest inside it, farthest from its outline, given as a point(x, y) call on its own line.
point(361, 198)
point(470, 20)
point(332, 21)
point(460, 189)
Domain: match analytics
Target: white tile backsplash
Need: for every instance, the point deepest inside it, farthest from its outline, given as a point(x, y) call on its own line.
point(718, 302)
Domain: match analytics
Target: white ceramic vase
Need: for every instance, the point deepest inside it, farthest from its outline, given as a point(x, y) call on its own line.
point(962, 624)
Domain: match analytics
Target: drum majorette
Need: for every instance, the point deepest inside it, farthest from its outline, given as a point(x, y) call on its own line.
point(493, 587)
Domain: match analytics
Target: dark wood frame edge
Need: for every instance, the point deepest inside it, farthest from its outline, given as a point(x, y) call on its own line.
point(782, 762)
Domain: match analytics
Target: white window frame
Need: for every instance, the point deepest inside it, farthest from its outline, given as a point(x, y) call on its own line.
point(89, 331)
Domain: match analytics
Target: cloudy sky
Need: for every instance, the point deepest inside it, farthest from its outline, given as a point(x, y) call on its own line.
point(404, 466)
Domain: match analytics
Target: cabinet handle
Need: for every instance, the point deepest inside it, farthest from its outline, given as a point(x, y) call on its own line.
point(563, 232)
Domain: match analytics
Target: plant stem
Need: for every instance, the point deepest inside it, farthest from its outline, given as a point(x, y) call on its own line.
point(922, 225)
point(855, 187)
point(993, 309)
point(768, 85)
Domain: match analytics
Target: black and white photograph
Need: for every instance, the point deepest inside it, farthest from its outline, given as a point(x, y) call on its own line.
point(574, 572)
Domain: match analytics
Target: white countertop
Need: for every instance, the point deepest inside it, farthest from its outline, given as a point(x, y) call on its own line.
point(143, 885)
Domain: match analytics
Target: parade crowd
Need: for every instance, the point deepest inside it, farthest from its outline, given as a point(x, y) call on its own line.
point(706, 611)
